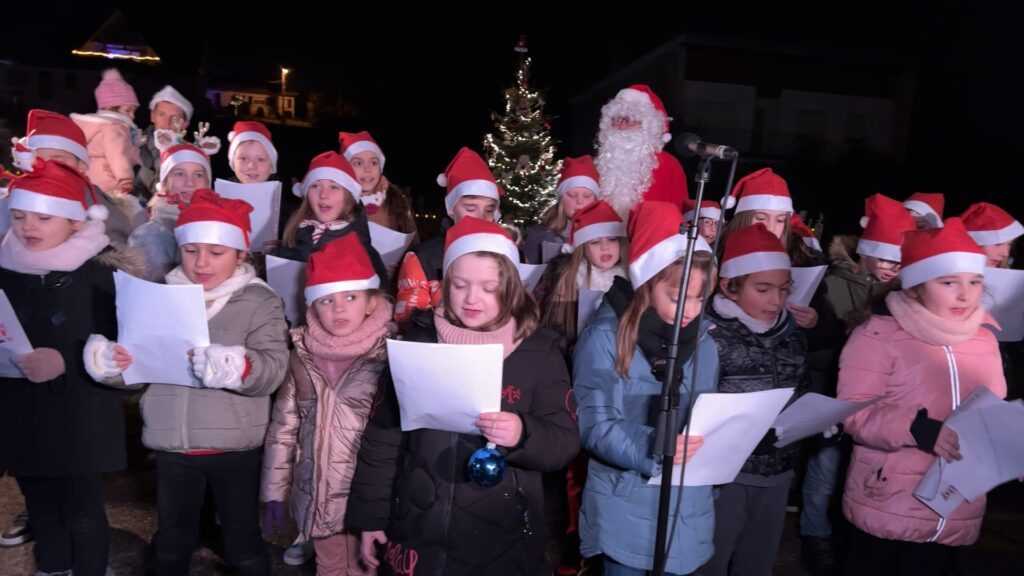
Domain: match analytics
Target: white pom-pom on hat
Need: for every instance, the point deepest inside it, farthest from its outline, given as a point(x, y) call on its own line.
point(730, 202)
point(864, 221)
point(298, 190)
point(442, 180)
point(231, 136)
point(98, 212)
point(111, 74)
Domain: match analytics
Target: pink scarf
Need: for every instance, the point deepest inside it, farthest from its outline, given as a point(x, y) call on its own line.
point(448, 333)
point(929, 328)
point(334, 354)
point(320, 227)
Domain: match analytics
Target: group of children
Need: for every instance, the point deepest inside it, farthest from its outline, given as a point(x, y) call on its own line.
point(306, 420)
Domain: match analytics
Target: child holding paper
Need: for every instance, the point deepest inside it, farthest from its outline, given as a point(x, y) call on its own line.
point(620, 364)
point(412, 491)
point(577, 188)
point(923, 351)
point(211, 435)
point(62, 429)
point(320, 413)
point(385, 203)
point(760, 347)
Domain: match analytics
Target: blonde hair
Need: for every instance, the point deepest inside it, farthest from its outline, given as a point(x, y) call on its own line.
point(516, 303)
point(305, 212)
point(746, 218)
point(554, 218)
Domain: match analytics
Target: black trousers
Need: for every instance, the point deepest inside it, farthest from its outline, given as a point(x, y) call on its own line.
point(69, 523)
point(182, 481)
point(879, 557)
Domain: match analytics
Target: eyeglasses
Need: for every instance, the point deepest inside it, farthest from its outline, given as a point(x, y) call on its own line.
point(888, 265)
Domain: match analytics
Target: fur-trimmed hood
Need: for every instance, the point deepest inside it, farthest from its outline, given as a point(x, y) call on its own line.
point(131, 260)
point(841, 253)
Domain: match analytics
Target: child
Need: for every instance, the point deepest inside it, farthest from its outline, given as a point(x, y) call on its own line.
point(620, 365)
point(760, 347)
point(412, 490)
point(926, 208)
point(63, 430)
point(706, 219)
point(472, 191)
point(802, 231)
point(113, 139)
point(577, 188)
point(322, 409)
point(211, 435)
point(251, 154)
point(922, 353)
point(994, 230)
point(386, 203)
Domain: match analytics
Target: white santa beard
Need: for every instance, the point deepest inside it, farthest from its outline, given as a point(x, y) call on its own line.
point(627, 158)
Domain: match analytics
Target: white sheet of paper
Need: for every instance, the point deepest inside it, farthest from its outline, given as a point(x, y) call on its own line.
point(288, 280)
point(5, 212)
point(13, 341)
point(805, 282)
point(549, 250)
point(159, 349)
point(530, 275)
point(1004, 299)
point(391, 245)
point(445, 386)
point(265, 198)
point(589, 300)
point(732, 425)
point(812, 414)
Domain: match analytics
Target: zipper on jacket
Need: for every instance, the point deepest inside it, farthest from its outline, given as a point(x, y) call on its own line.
point(954, 390)
point(448, 507)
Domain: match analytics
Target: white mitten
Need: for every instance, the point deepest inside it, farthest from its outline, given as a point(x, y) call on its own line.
point(834, 430)
point(225, 366)
point(99, 359)
point(199, 362)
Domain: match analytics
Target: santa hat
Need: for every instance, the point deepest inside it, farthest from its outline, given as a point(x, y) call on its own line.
point(472, 234)
point(342, 266)
point(45, 129)
point(927, 204)
point(642, 93)
point(930, 253)
point(576, 173)
point(330, 166)
point(752, 249)
point(467, 175)
point(761, 190)
point(255, 132)
point(989, 224)
point(656, 240)
point(169, 94)
point(55, 189)
point(708, 209)
point(213, 219)
point(354, 143)
point(180, 154)
point(797, 225)
point(114, 91)
point(596, 220)
point(884, 222)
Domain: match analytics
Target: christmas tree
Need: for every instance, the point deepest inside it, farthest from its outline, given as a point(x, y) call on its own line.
point(522, 153)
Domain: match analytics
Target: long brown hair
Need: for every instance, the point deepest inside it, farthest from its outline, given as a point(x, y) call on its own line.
point(305, 212)
point(516, 302)
point(561, 303)
point(554, 218)
point(625, 340)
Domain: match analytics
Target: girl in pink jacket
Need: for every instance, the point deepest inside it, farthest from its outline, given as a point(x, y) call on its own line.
point(112, 138)
point(922, 353)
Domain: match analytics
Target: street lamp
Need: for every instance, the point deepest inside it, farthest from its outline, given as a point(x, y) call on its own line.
point(284, 79)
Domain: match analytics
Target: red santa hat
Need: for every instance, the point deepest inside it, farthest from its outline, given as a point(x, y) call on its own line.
point(55, 189)
point(169, 94)
point(656, 240)
point(354, 143)
point(989, 224)
point(797, 225)
point(45, 129)
point(472, 234)
point(468, 175)
point(342, 266)
point(578, 172)
point(708, 209)
point(761, 190)
point(884, 222)
point(642, 93)
point(213, 219)
point(180, 154)
point(252, 132)
point(330, 166)
point(752, 249)
point(927, 204)
point(930, 253)
point(596, 220)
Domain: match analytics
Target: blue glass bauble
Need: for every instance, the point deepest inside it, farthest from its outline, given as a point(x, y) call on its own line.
point(486, 466)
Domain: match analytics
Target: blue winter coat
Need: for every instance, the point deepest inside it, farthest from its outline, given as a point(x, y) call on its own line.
point(620, 509)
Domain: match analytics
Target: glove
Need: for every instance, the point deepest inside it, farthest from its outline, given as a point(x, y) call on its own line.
point(99, 358)
point(219, 366)
point(274, 518)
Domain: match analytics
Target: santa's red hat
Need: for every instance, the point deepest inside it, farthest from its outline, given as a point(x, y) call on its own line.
point(342, 266)
point(752, 249)
point(169, 94)
point(354, 143)
point(213, 219)
point(930, 253)
point(55, 189)
point(252, 132)
point(761, 190)
point(989, 224)
point(642, 93)
point(927, 204)
point(597, 220)
point(800, 228)
point(468, 175)
point(471, 234)
point(708, 209)
point(885, 220)
point(45, 129)
point(330, 166)
point(656, 240)
point(180, 154)
point(578, 172)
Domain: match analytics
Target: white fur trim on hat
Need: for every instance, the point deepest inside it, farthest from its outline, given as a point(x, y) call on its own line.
point(30, 201)
point(924, 210)
point(318, 291)
point(881, 250)
point(660, 256)
point(333, 174)
point(812, 242)
point(482, 242)
point(237, 139)
point(753, 202)
point(990, 237)
point(169, 94)
point(577, 182)
point(753, 263)
point(364, 146)
point(211, 232)
point(706, 212)
point(598, 230)
point(941, 265)
point(37, 141)
point(181, 157)
point(481, 187)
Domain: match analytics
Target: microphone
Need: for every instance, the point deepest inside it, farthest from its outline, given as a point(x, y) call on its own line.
point(689, 144)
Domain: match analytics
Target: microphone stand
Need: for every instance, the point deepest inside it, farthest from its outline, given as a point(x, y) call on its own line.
point(666, 428)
